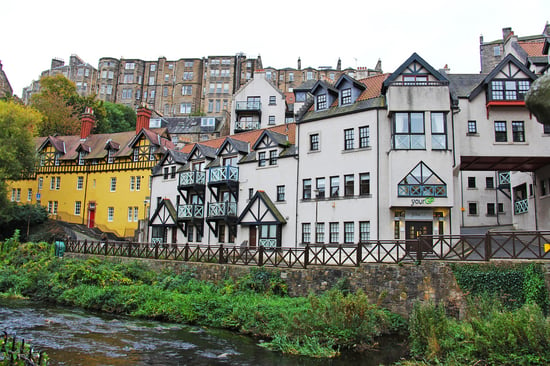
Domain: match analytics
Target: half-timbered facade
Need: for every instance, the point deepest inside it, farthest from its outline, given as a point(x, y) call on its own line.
point(98, 180)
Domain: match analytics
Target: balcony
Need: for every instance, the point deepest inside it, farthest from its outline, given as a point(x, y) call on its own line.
point(193, 179)
point(241, 126)
point(193, 212)
point(504, 180)
point(224, 175)
point(222, 211)
point(248, 106)
point(521, 207)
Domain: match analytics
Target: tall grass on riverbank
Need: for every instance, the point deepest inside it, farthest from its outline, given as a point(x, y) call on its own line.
point(317, 326)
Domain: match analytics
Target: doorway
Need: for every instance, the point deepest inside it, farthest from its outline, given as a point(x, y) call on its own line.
point(252, 233)
point(414, 229)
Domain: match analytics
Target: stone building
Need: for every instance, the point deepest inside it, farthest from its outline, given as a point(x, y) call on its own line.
point(5, 87)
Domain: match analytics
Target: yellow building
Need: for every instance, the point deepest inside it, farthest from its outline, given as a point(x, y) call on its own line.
point(98, 180)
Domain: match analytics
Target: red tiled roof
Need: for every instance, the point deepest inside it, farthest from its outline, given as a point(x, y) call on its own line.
point(288, 129)
point(533, 48)
point(374, 86)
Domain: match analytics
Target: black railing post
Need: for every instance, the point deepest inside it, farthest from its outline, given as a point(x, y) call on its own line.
point(418, 250)
point(186, 252)
point(306, 256)
point(106, 244)
point(487, 246)
point(85, 246)
point(157, 250)
point(220, 258)
point(359, 254)
point(261, 255)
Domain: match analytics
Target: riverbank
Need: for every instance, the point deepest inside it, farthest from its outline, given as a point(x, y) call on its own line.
point(321, 325)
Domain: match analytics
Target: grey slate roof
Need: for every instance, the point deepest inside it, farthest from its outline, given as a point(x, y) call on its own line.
point(461, 85)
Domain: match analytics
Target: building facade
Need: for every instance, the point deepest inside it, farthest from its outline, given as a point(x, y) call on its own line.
point(100, 180)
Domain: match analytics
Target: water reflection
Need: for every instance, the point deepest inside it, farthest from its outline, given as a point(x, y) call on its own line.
point(76, 337)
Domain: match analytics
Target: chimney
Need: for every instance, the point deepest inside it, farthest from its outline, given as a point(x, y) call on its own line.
point(87, 120)
point(339, 64)
point(299, 64)
point(506, 32)
point(143, 118)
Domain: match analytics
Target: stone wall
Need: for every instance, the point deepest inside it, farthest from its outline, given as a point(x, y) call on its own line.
point(392, 286)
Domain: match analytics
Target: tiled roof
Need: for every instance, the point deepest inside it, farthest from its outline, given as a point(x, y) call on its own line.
point(533, 48)
point(374, 86)
point(288, 129)
point(97, 142)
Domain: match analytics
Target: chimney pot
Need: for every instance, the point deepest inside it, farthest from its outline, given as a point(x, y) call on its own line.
point(143, 118)
point(87, 123)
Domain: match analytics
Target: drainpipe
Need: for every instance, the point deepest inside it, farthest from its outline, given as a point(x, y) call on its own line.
point(378, 174)
point(297, 157)
point(496, 198)
point(462, 197)
point(84, 208)
point(535, 200)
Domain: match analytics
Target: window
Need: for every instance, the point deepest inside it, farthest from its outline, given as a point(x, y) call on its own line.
point(509, 89)
point(172, 176)
point(306, 232)
point(271, 120)
point(490, 209)
point(501, 135)
point(166, 77)
point(187, 90)
point(320, 187)
point(55, 204)
point(421, 182)
point(79, 183)
point(518, 131)
point(489, 182)
point(321, 102)
point(501, 207)
point(136, 154)
point(333, 232)
point(345, 97)
point(151, 82)
point(273, 157)
point(113, 184)
point(52, 183)
point(546, 129)
point(132, 183)
point(471, 182)
point(185, 108)
point(77, 208)
point(496, 51)
point(472, 208)
point(221, 233)
point(314, 142)
point(166, 172)
point(13, 193)
point(349, 232)
point(364, 231)
point(29, 194)
point(128, 79)
point(364, 184)
point(280, 193)
point(130, 214)
point(306, 189)
point(320, 232)
point(110, 214)
point(472, 127)
point(50, 206)
point(153, 67)
point(262, 160)
point(81, 155)
point(334, 186)
point(188, 75)
point(408, 131)
point(349, 185)
point(165, 91)
point(40, 183)
point(290, 76)
point(348, 139)
point(111, 159)
point(543, 187)
point(439, 131)
point(272, 100)
point(364, 137)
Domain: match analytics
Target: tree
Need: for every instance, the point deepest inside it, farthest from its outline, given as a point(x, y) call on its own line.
point(119, 118)
point(537, 99)
point(17, 150)
point(56, 102)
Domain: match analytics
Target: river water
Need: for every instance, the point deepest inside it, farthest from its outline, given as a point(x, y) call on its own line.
point(77, 337)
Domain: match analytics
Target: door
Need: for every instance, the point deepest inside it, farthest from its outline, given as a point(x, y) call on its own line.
point(413, 229)
point(252, 236)
point(91, 215)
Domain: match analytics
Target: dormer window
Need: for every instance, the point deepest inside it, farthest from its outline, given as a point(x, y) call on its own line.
point(321, 102)
point(509, 89)
point(345, 96)
point(56, 159)
point(415, 79)
point(81, 155)
point(152, 151)
point(110, 157)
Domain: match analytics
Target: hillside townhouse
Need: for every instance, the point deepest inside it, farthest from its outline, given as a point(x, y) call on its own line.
point(385, 157)
point(98, 180)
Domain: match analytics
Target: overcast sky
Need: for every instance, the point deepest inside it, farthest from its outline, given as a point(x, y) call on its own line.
point(359, 32)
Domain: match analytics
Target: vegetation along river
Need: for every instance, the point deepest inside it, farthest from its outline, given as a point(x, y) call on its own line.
point(77, 337)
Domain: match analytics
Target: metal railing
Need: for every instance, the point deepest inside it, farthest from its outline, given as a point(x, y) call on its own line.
point(192, 211)
point(247, 125)
point(223, 174)
point(222, 209)
point(494, 245)
point(521, 206)
point(248, 106)
point(192, 177)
